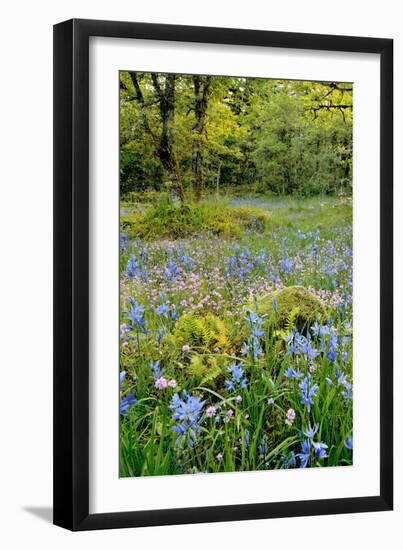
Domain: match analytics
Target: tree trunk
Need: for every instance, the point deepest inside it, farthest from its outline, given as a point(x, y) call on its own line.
point(165, 149)
point(201, 90)
point(218, 179)
point(164, 142)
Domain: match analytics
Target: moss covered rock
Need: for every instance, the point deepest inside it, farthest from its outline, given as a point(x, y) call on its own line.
point(293, 302)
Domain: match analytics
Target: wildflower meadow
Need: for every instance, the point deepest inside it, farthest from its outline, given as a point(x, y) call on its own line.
point(236, 301)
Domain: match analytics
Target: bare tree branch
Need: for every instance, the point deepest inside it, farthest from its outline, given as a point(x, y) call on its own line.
point(339, 107)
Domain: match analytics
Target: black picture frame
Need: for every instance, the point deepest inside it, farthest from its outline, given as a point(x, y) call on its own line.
point(71, 274)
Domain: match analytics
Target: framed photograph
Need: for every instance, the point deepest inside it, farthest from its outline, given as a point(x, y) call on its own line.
point(223, 274)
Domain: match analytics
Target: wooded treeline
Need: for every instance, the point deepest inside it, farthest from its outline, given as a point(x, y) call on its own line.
point(205, 133)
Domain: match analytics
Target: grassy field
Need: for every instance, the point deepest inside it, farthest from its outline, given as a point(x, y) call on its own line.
point(236, 334)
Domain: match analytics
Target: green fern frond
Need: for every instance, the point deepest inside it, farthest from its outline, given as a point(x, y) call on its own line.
point(204, 369)
point(291, 319)
point(204, 335)
point(202, 332)
point(211, 374)
point(197, 367)
point(219, 331)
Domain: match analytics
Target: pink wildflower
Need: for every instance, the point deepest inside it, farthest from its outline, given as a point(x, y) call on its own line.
point(290, 417)
point(210, 411)
point(161, 383)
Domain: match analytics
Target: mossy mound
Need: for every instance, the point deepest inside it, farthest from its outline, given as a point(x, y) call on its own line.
point(293, 302)
point(201, 332)
point(166, 220)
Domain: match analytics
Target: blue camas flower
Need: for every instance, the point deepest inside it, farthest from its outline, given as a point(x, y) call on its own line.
point(155, 369)
point(305, 347)
point(292, 373)
point(320, 449)
point(237, 380)
point(186, 260)
point(187, 411)
point(256, 321)
point(123, 242)
point(308, 392)
point(319, 330)
point(126, 403)
point(347, 393)
point(298, 344)
point(174, 315)
point(135, 316)
point(310, 432)
point(340, 376)
point(285, 265)
point(172, 270)
point(349, 443)
point(241, 263)
point(292, 343)
point(134, 268)
point(333, 348)
point(252, 345)
point(162, 310)
point(288, 461)
point(305, 453)
point(341, 380)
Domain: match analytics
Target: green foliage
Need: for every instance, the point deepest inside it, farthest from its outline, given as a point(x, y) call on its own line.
point(284, 136)
point(139, 170)
point(297, 150)
point(202, 333)
point(205, 370)
point(296, 307)
point(168, 220)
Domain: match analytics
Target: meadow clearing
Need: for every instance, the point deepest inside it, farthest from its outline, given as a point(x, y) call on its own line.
point(235, 334)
